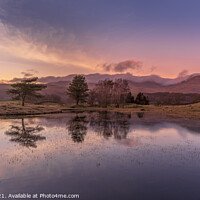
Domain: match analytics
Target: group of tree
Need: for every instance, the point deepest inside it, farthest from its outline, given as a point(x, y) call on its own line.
point(142, 99)
point(106, 92)
point(109, 92)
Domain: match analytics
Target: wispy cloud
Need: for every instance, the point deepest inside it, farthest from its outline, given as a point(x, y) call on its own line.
point(16, 43)
point(26, 40)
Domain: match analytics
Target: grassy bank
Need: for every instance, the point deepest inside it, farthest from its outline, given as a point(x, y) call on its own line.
point(14, 108)
point(191, 111)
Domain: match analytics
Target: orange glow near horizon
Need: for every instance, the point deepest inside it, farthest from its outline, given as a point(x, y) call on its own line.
point(19, 53)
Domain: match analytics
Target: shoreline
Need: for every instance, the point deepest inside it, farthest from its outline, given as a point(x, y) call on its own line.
point(13, 109)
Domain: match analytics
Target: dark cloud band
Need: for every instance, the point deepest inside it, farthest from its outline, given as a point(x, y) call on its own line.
point(123, 66)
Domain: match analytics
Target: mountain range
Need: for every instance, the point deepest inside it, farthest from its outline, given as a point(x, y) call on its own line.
point(146, 84)
point(93, 78)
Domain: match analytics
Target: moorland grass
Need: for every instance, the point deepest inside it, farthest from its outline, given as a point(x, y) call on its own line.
point(191, 111)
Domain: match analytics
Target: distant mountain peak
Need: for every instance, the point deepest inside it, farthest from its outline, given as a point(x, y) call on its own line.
point(94, 78)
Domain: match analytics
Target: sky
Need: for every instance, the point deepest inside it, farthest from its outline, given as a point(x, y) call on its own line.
point(61, 37)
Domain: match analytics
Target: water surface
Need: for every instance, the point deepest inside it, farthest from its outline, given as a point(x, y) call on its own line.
point(101, 156)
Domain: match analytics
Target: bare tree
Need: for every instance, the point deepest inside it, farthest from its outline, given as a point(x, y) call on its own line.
point(92, 97)
point(104, 91)
point(108, 92)
point(120, 92)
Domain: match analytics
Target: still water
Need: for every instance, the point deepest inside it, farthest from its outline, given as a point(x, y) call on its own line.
point(101, 156)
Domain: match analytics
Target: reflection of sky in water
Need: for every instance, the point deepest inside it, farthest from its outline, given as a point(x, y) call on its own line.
point(159, 155)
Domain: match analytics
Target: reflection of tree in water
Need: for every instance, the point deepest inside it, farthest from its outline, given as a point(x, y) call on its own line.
point(140, 114)
point(77, 128)
point(25, 136)
point(110, 124)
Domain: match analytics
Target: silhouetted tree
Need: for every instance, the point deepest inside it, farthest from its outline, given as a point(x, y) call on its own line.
point(25, 136)
point(26, 88)
point(130, 98)
point(141, 99)
point(78, 89)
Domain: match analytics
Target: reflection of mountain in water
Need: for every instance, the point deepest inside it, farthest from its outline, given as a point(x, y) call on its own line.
point(25, 136)
point(155, 122)
point(110, 124)
point(77, 128)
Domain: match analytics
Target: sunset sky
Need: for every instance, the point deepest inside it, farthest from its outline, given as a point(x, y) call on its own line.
point(61, 37)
